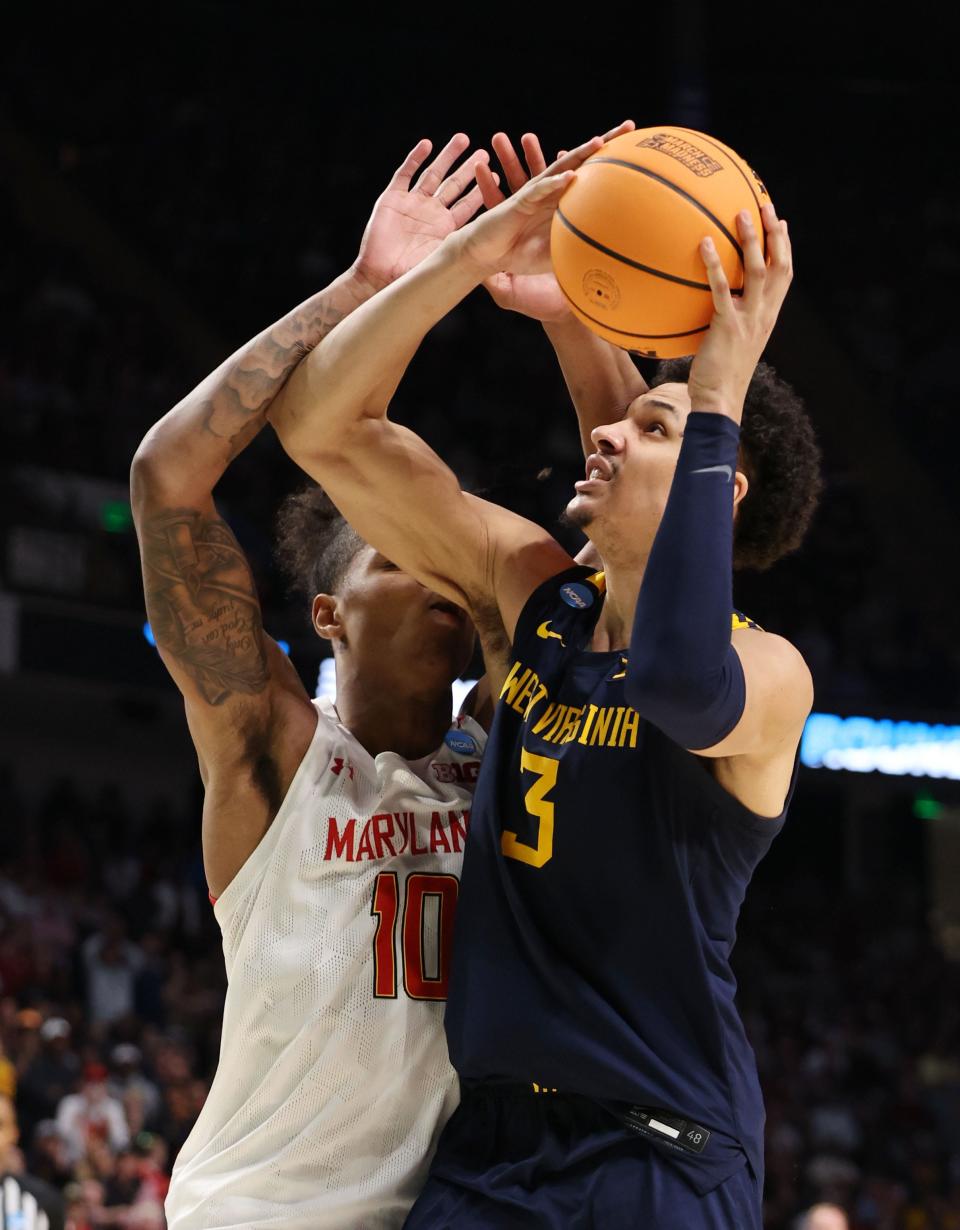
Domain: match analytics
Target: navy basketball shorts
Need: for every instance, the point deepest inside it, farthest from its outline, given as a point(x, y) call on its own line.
point(511, 1159)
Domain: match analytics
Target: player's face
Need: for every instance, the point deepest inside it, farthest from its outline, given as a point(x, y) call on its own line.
point(388, 617)
point(621, 500)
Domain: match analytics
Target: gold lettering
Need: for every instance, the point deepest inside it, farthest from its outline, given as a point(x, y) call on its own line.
point(512, 684)
point(618, 718)
point(535, 700)
point(631, 724)
point(525, 693)
point(601, 727)
point(585, 730)
point(560, 722)
point(546, 717)
point(572, 724)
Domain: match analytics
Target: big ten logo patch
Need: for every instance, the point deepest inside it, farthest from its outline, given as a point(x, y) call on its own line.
point(447, 771)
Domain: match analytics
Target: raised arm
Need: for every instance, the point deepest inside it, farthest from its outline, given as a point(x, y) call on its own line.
point(332, 417)
point(737, 695)
point(248, 713)
point(602, 379)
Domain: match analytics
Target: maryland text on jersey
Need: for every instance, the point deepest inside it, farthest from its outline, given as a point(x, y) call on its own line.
point(389, 834)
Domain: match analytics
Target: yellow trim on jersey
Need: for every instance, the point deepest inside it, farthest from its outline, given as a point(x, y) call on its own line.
point(598, 580)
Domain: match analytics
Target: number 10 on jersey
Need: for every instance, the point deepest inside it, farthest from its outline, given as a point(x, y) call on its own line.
point(425, 950)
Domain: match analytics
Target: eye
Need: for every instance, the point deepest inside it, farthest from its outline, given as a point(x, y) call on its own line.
point(656, 425)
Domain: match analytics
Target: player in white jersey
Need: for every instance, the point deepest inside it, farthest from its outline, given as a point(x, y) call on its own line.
point(331, 836)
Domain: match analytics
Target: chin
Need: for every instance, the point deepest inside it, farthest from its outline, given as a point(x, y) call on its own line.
point(577, 513)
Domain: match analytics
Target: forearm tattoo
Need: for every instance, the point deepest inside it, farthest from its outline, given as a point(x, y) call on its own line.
point(238, 408)
point(202, 603)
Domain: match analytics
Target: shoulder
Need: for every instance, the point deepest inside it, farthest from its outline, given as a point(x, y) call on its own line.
point(777, 667)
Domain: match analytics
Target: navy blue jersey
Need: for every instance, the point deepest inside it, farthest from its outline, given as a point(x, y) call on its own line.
point(604, 873)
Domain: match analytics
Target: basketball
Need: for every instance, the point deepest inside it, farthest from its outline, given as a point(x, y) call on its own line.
point(625, 238)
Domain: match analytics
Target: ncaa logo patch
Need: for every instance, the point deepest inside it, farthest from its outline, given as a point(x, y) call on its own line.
point(461, 743)
point(576, 595)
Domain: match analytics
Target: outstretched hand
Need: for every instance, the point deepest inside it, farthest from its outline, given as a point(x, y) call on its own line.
point(741, 325)
point(533, 294)
point(514, 235)
point(410, 220)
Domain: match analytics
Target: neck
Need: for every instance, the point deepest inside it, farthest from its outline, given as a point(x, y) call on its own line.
point(412, 723)
point(623, 581)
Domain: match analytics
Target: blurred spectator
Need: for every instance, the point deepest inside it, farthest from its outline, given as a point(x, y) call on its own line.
point(112, 966)
point(128, 1082)
point(92, 1114)
point(50, 1076)
point(28, 1187)
point(824, 1217)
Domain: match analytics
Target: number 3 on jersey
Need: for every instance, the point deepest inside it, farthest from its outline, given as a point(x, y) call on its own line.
point(426, 933)
point(535, 856)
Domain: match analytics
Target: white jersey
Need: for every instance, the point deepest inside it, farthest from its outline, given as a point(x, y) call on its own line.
point(334, 1080)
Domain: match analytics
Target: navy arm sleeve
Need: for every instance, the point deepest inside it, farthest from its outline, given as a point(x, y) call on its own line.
point(684, 675)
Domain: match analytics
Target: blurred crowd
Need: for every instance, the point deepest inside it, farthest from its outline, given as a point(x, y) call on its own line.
point(111, 990)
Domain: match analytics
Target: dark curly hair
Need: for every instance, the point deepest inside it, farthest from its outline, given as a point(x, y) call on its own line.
point(780, 457)
point(315, 545)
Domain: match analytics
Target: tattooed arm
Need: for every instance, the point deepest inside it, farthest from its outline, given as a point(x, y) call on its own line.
point(249, 716)
point(248, 713)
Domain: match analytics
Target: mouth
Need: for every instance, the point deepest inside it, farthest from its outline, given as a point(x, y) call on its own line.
point(598, 470)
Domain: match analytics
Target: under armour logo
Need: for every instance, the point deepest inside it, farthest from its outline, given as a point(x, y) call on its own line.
point(338, 766)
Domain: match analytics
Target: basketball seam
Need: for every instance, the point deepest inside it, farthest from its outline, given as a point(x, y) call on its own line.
point(626, 260)
point(668, 183)
point(746, 178)
point(656, 337)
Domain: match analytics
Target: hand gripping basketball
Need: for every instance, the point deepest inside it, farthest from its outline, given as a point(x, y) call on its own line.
point(537, 295)
point(741, 325)
point(514, 237)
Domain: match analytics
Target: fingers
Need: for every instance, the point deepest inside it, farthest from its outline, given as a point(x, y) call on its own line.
point(435, 173)
point(463, 211)
point(626, 126)
point(489, 184)
point(780, 251)
point(575, 157)
point(719, 286)
point(513, 170)
point(545, 188)
point(536, 163)
point(754, 266)
point(461, 178)
point(411, 164)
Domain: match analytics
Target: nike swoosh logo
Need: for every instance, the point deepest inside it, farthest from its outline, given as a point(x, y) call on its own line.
point(716, 470)
point(544, 632)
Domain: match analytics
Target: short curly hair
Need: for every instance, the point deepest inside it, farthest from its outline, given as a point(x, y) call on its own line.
point(780, 457)
point(315, 544)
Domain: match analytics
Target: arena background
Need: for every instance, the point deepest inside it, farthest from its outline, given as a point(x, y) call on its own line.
point(173, 180)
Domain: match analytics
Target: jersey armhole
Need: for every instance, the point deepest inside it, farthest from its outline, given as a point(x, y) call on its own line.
point(543, 600)
point(224, 906)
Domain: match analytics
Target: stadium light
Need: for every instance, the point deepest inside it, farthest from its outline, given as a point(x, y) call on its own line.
point(872, 745)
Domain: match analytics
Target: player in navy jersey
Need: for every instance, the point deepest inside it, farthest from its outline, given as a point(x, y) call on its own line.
point(642, 756)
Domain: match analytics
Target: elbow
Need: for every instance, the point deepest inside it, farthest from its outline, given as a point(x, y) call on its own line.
point(143, 476)
point(155, 477)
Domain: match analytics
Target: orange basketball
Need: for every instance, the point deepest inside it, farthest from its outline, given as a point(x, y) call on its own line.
point(625, 238)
